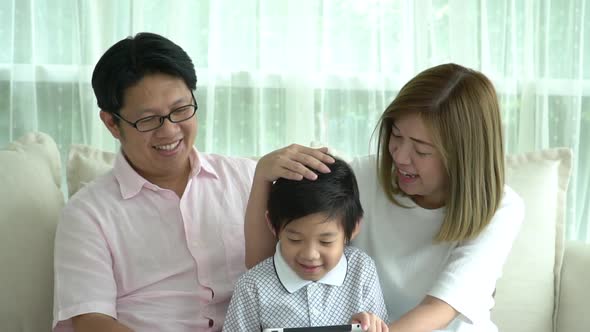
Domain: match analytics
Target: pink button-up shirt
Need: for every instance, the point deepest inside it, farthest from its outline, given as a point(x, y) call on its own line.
point(134, 251)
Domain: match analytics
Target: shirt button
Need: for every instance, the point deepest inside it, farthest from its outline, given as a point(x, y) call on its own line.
point(315, 312)
point(211, 322)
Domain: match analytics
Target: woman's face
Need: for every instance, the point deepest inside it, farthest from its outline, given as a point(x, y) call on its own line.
point(420, 172)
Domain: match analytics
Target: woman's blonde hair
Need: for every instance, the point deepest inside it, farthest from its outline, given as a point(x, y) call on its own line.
point(460, 108)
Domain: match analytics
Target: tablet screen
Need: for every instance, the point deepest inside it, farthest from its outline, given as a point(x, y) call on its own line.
point(332, 328)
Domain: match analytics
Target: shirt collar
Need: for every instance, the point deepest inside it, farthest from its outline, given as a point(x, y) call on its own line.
point(200, 163)
point(292, 282)
point(130, 182)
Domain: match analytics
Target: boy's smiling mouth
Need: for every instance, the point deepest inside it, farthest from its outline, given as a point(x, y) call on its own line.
point(309, 268)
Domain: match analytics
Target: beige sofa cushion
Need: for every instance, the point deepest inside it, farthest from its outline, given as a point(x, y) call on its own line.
point(85, 163)
point(30, 202)
point(526, 292)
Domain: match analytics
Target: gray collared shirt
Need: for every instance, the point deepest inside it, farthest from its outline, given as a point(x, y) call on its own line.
point(266, 298)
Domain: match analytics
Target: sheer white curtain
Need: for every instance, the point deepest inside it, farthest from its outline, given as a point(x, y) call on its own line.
point(275, 72)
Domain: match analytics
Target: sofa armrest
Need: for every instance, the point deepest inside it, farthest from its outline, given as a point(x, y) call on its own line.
point(572, 314)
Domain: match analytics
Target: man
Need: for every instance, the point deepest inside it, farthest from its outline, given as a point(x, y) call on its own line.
point(157, 243)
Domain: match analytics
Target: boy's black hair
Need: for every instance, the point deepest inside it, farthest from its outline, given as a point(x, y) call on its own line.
point(335, 194)
point(129, 60)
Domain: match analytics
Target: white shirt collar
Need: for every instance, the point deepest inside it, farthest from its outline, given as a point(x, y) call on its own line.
point(292, 282)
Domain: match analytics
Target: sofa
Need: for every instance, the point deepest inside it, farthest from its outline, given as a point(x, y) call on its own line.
point(544, 287)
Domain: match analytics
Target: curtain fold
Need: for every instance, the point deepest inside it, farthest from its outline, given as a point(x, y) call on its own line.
point(271, 73)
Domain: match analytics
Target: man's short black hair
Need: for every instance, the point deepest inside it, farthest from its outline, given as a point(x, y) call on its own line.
point(334, 194)
point(129, 60)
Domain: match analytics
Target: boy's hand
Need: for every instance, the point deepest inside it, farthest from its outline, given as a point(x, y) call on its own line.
point(293, 162)
point(370, 322)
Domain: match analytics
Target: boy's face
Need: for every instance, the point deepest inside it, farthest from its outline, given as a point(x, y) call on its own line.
point(312, 245)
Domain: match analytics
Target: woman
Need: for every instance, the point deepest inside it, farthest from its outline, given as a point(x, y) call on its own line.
point(439, 220)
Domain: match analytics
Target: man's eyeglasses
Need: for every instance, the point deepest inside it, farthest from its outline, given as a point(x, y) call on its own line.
point(154, 122)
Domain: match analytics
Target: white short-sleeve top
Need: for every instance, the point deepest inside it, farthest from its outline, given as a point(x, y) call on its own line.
point(411, 265)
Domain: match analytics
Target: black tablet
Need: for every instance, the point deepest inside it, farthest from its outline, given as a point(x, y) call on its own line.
point(331, 328)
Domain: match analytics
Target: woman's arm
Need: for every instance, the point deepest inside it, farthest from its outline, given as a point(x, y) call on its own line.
point(259, 240)
point(97, 322)
point(431, 314)
point(294, 163)
point(467, 282)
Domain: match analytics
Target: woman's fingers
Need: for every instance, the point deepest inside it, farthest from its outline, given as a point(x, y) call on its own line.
point(294, 162)
point(321, 154)
point(299, 169)
point(362, 318)
point(370, 322)
point(315, 160)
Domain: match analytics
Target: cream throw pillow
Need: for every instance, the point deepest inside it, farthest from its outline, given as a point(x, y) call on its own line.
point(85, 163)
point(526, 293)
point(31, 201)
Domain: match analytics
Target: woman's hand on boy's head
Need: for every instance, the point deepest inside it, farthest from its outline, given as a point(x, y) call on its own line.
point(370, 322)
point(294, 162)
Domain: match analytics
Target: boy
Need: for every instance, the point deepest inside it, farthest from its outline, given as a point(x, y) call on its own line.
point(314, 278)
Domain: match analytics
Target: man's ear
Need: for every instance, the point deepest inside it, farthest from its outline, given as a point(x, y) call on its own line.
point(357, 229)
point(109, 121)
point(272, 230)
